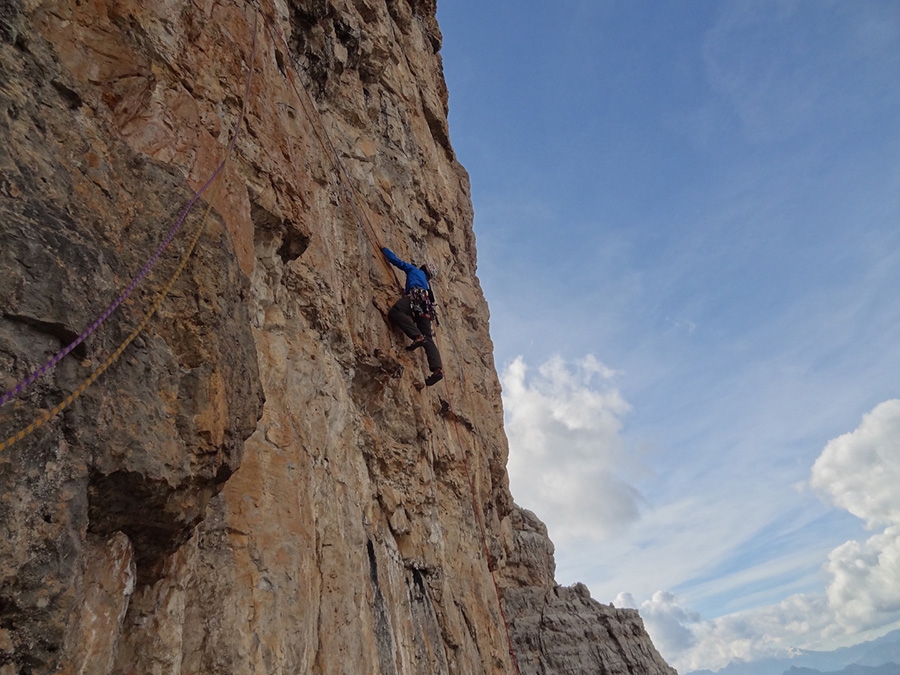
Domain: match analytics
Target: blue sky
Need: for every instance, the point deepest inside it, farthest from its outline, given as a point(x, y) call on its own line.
point(688, 222)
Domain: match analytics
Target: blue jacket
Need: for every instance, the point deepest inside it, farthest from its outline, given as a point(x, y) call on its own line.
point(415, 278)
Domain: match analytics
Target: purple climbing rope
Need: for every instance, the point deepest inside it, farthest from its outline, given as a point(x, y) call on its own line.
point(59, 356)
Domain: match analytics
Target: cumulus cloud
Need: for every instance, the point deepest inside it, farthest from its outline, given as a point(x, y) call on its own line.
point(858, 471)
point(566, 458)
point(567, 462)
point(777, 630)
point(665, 619)
point(865, 591)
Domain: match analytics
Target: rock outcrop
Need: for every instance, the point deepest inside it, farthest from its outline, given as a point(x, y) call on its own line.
point(258, 483)
point(563, 630)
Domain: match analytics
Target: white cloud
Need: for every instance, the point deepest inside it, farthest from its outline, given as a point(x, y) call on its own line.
point(776, 630)
point(865, 590)
point(666, 620)
point(566, 458)
point(858, 471)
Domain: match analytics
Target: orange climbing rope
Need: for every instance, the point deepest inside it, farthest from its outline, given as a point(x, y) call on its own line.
point(329, 148)
point(161, 296)
point(480, 518)
point(112, 358)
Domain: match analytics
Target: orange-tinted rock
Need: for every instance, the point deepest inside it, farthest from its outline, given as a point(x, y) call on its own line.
point(262, 463)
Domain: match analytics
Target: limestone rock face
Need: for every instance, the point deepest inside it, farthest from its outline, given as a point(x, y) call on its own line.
point(258, 483)
point(563, 630)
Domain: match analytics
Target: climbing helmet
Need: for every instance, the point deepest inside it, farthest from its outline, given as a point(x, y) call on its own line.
point(429, 269)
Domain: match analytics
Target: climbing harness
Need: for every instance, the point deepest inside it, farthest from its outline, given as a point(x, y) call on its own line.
point(421, 301)
point(47, 416)
point(327, 145)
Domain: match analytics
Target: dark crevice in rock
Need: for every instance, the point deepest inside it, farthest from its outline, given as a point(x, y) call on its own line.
point(430, 639)
point(449, 414)
point(156, 516)
point(440, 131)
point(279, 61)
point(293, 244)
point(310, 11)
point(289, 240)
point(349, 38)
point(70, 96)
point(383, 633)
point(469, 626)
point(63, 333)
point(305, 17)
point(419, 582)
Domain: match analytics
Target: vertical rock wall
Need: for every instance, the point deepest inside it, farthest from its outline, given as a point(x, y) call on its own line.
point(260, 484)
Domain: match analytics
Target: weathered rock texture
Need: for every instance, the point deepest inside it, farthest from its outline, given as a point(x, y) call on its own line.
point(562, 630)
point(257, 485)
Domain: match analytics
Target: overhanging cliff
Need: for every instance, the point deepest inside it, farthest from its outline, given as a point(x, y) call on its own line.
point(259, 483)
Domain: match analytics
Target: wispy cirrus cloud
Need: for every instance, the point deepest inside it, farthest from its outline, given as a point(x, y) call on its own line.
point(859, 472)
point(568, 463)
point(762, 56)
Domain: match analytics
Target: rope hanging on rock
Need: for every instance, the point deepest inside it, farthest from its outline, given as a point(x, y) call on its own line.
point(161, 296)
point(328, 147)
point(480, 519)
point(47, 416)
point(59, 356)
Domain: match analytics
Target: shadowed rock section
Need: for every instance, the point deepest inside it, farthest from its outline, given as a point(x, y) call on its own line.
point(259, 484)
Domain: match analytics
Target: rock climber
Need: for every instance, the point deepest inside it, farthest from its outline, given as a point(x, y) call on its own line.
point(414, 312)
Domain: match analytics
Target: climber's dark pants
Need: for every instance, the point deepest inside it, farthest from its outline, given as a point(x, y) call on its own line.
point(415, 326)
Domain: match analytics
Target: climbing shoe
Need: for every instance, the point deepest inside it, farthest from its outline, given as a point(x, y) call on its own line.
point(420, 342)
point(434, 378)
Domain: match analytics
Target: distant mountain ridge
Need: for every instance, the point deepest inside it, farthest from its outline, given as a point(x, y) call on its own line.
point(853, 669)
point(870, 656)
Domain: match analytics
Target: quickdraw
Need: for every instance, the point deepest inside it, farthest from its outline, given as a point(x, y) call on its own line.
point(421, 301)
